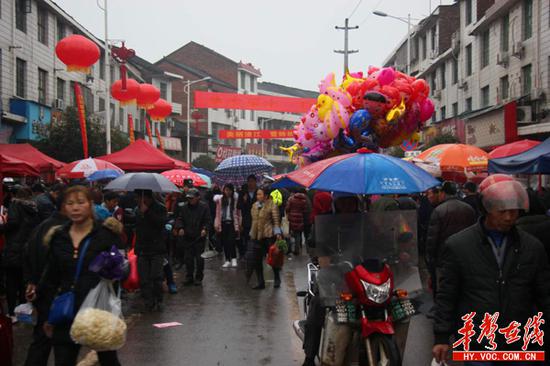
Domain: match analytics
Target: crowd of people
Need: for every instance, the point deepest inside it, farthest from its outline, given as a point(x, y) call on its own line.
point(46, 229)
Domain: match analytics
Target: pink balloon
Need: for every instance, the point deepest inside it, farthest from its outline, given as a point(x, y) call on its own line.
point(426, 109)
point(386, 76)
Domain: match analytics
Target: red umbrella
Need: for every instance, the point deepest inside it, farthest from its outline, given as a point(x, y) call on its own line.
point(85, 167)
point(513, 148)
point(178, 176)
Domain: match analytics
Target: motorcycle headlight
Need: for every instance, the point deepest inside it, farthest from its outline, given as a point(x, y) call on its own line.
point(377, 294)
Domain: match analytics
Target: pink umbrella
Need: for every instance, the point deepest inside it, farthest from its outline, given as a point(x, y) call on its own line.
point(513, 148)
point(179, 176)
point(85, 167)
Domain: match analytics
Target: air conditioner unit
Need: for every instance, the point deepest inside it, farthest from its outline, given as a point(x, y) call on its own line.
point(463, 84)
point(503, 59)
point(518, 50)
point(437, 94)
point(524, 114)
point(59, 104)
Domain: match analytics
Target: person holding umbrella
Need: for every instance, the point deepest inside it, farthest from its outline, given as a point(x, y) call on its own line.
point(150, 248)
point(192, 225)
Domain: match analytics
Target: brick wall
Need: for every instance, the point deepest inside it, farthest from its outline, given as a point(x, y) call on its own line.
point(449, 22)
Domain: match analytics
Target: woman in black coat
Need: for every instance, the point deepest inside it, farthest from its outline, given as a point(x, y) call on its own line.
point(65, 243)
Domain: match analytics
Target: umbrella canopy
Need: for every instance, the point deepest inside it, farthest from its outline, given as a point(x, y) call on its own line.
point(178, 176)
point(238, 168)
point(14, 167)
point(206, 179)
point(513, 148)
point(146, 181)
point(85, 167)
point(533, 161)
point(202, 171)
point(456, 158)
point(364, 173)
point(104, 174)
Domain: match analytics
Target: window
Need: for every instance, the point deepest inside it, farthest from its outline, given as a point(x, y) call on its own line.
point(101, 105)
point(504, 87)
point(162, 129)
point(424, 47)
point(42, 86)
point(60, 89)
point(21, 14)
point(484, 49)
point(433, 34)
point(252, 84)
point(455, 70)
point(443, 112)
point(163, 90)
point(526, 79)
point(468, 16)
point(88, 97)
point(433, 84)
point(102, 66)
point(71, 94)
point(121, 118)
point(61, 30)
point(468, 106)
point(243, 114)
point(485, 96)
point(243, 80)
point(504, 33)
point(434, 117)
point(42, 25)
point(527, 19)
point(112, 72)
point(252, 115)
point(21, 78)
point(455, 109)
point(443, 78)
point(468, 60)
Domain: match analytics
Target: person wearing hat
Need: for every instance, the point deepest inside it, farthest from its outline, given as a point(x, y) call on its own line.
point(491, 267)
point(192, 225)
point(449, 217)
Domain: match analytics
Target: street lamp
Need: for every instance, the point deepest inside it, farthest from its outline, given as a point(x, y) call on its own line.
point(187, 90)
point(408, 22)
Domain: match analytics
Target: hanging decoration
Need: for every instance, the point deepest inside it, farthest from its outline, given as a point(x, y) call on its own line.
point(131, 129)
point(147, 96)
point(161, 109)
point(78, 53)
point(161, 143)
point(148, 129)
point(82, 117)
point(125, 96)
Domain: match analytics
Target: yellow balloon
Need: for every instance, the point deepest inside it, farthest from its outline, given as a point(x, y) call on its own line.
point(396, 112)
point(348, 80)
point(291, 150)
point(324, 105)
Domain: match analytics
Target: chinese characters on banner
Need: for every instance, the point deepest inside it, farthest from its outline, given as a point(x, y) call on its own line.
point(223, 152)
point(82, 117)
point(255, 134)
point(488, 330)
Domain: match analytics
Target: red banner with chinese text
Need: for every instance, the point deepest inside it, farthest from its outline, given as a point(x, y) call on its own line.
point(131, 128)
point(148, 128)
point(252, 102)
point(255, 134)
point(82, 117)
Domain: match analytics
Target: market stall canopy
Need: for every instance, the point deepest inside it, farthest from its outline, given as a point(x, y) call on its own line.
point(533, 161)
point(142, 156)
point(14, 167)
point(513, 148)
point(31, 156)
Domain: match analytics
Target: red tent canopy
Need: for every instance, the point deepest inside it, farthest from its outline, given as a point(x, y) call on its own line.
point(142, 156)
point(31, 156)
point(14, 167)
point(513, 148)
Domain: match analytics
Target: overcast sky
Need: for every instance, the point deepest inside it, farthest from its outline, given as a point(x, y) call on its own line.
point(291, 41)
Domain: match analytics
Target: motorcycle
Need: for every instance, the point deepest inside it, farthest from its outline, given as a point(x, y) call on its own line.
point(359, 292)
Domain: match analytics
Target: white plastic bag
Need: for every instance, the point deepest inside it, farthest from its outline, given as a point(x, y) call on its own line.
point(285, 227)
point(99, 324)
point(24, 313)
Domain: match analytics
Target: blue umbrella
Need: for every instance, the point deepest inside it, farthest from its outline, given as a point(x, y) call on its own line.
point(202, 171)
point(364, 173)
point(206, 179)
point(237, 168)
point(104, 174)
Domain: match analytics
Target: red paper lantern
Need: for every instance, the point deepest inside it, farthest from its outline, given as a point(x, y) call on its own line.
point(148, 94)
point(161, 109)
point(77, 52)
point(128, 96)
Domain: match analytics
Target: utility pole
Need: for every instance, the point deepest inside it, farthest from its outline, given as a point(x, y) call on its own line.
point(346, 51)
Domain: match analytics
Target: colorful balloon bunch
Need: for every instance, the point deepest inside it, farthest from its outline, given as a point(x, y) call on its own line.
point(381, 109)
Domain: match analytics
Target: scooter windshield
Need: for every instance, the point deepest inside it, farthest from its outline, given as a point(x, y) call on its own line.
point(389, 237)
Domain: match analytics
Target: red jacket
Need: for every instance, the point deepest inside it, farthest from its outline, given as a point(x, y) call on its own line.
point(298, 209)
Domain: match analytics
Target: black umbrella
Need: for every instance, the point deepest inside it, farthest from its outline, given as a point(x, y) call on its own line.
point(146, 181)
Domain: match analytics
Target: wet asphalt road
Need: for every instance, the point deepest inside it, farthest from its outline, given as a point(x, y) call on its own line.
point(225, 323)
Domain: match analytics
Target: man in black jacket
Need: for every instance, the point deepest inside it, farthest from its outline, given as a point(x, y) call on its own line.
point(247, 198)
point(150, 248)
point(448, 218)
point(192, 226)
point(471, 196)
point(491, 267)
